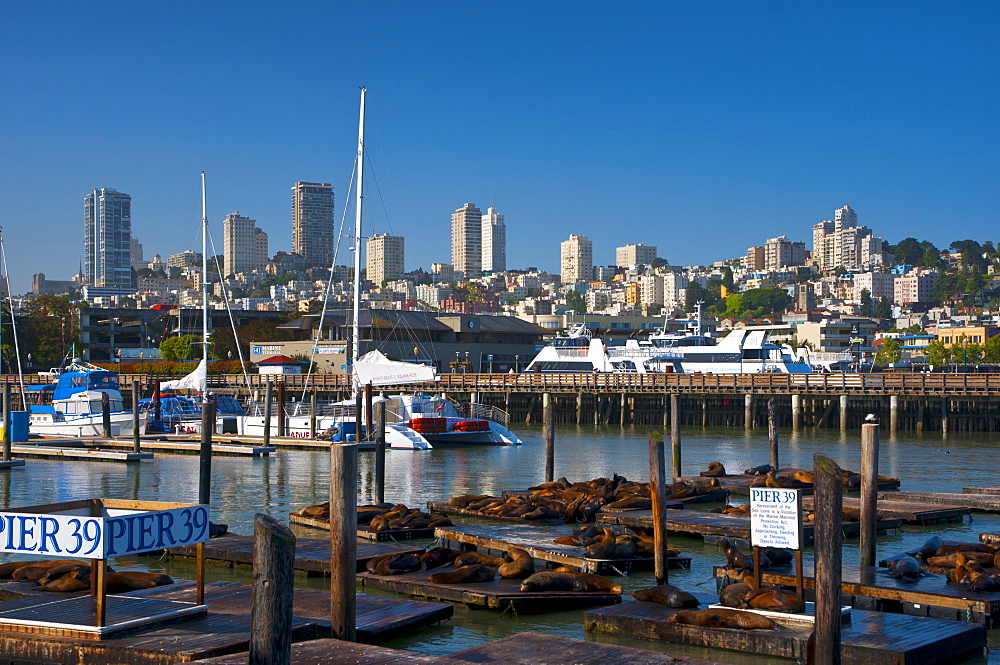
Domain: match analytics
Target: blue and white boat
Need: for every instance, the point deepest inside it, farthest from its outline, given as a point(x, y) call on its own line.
point(76, 408)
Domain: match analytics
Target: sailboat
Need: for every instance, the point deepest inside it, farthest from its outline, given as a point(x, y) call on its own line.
point(414, 422)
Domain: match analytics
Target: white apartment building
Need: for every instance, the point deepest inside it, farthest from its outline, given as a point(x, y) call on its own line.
point(433, 295)
point(674, 290)
point(494, 233)
point(384, 258)
point(576, 262)
point(651, 289)
point(633, 255)
point(245, 245)
point(781, 252)
point(914, 287)
point(467, 240)
point(841, 242)
point(879, 285)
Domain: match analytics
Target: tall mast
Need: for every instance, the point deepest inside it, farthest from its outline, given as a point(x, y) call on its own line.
point(356, 329)
point(204, 280)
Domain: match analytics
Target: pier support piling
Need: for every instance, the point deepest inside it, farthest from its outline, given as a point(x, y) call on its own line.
point(704, 411)
point(380, 456)
point(748, 411)
point(312, 414)
point(893, 414)
point(843, 413)
point(772, 431)
point(675, 434)
point(869, 491)
point(549, 429)
point(268, 402)
point(828, 558)
point(944, 415)
point(796, 412)
point(281, 408)
point(205, 453)
point(273, 576)
point(658, 492)
point(106, 414)
point(136, 428)
point(6, 422)
point(343, 540)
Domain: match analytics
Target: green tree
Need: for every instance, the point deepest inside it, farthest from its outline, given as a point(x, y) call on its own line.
point(937, 353)
point(890, 352)
point(179, 349)
point(52, 328)
point(866, 302)
point(991, 349)
point(931, 258)
point(883, 310)
point(727, 278)
point(575, 301)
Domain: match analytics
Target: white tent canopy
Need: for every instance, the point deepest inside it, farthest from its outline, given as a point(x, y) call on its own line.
point(376, 369)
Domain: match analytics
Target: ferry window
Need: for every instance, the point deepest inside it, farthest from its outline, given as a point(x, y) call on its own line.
point(117, 405)
point(95, 406)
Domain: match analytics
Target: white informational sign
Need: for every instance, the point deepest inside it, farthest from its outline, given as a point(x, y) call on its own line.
point(775, 518)
point(120, 532)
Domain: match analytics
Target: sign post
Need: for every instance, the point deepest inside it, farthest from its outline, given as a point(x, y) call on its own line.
point(776, 521)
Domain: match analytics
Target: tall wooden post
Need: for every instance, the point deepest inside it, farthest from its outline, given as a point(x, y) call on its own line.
point(944, 415)
point(343, 539)
point(359, 417)
point(621, 410)
point(281, 409)
point(748, 411)
point(205, 452)
point(369, 413)
point(312, 414)
point(549, 430)
point(796, 412)
point(268, 404)
point(658, 492)
point(772, 431)
point(6, 421)
point(106, 414)
point(380, 455)
point(893, 414)
point(271, 594)
point(157, 410)
point(136, 427)
point(843, 413)
point(675, 433)
point(869, 489)
point(827, 552)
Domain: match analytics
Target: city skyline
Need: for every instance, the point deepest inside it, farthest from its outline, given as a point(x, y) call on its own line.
point(734, 125)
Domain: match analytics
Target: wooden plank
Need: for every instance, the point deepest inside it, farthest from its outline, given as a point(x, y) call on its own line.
point(869, 638)
point(496, 594)
point(537, 541)
point(312, 555)
point(185, 448)
point(992, 489)
point(533, 648)
point(989, 503)
point(338, 652)
point(77, 454)
point(910, 512)
point(365, 532)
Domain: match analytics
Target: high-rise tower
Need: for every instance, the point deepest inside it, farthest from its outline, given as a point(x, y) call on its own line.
point(245, 244)
point(576, 259)
point(312, 222)
point(107, 238)
point(494, 233)
point(467, 240)
point(384, 257)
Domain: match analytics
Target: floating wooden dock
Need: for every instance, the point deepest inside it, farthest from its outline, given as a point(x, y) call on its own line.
point(712, 526)
point(911, 512)
point(441, 507)
point(739, 484)
point(497, 594)
point(870, 638)
point(291, 443)
point(497, 539)
point(51, 451)
point(871, 588)
point(990, 489)
point(312, 555)
point(708, 497)
point(520, 649)
point(187, 447)
point(224, 629)
point(11, 463)
point(365, 532)
point(987, 503)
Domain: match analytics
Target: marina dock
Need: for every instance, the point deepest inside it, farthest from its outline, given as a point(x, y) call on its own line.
point(739, 484)
point(911, 512)
point(187, 447)
point(869, 638)
point(11, 463)
point(987, 503)
point(537, 541)
point(312, 555)
point(365, 532)
point(51, 451)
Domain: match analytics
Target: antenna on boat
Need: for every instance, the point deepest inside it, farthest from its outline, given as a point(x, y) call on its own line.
point(356, 329)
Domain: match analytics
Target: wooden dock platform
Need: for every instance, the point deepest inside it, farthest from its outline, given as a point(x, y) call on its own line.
point(712, 526)
point(987, 503)
point(911, 512)
point(364, 531)
point(870, 638)
point(739, 484)
point(497, 594)
point(51, 451)
point(497, 539)
point(520, 649)
point(871, 588)
point(312, 555)
point(290, 442)
point(442, 507)
point(11, 463)
point(186, 447)
point(989, 489)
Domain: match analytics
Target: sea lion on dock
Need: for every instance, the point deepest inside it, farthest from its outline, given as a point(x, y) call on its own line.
point(439, 519)
point(733, 594)
point(469, 558)
point(464, 575)
point(7, 570)
point(550, 580)
point(772, 599)
point(439, 556)
point(398, 564)
point(578, 540)
point(734, 558)
point(631, 503)
point(625, 547)
point(599, 583)
point(158, 579)
point(720, 617)
point(981, 548)
point(950, 560)
point(374, 561)
point(714, 470)
point(929, 548)
point(521, 566)
point(778, 556)
point(666, 594)
point(55, 572)
point(464, 500)
point(758, 470)
point(603, 548)
point(314, 511)
point(121, 583)
point(77, 579)
point(35, 571)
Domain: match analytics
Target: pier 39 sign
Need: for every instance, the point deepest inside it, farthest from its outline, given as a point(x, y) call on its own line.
point(775, 518)
point(75, 533)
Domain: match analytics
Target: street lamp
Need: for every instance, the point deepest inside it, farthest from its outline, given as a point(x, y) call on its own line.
point(490, 357)
point(465, 367)
point(517, 364)
point(455, 368)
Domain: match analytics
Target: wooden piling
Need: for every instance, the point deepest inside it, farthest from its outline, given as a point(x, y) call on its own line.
point(268, 402)
point(380, 455)
point(675, 433)
point(549, 430)
point(106, 414)
point(869, 490)
point(271, 594)
point(621, 410)
point(796, 412)
point(369, 414)
point(579, 408)
point(893, 414)
point(658, 492)
point(827, 537)
point(136, 428)
point(748, 411)
point(281, 408)
point(205, 454)
point(6, 422)
point(843, 413)
point(944, 415)
point(772, 431)
point(343, 539)
point(157, 410)
point(312, 414)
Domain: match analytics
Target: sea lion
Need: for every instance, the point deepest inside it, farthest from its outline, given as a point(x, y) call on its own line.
point(469, 558)
point(778, 556)
point(981, 548)
point(929, 548)
point(758, 470)
point(734, 558)
point(550, 580)
point(366, 515)
point(378, 523)
point(631, 503)
point(666, 594)
point(215, 530)
point(714, 470)
point(603, 548)
point(314, 511)
point(949, 560)
point(522, 565)
point(436, 557)
point(77, 579)
point(120, 583)
point(805, 477)
point(55, 572)
point(625, 547)
point(599, 583)
point(36, 571)
point(464, 575)
point(374, 561)
point(398, 564)
point(158, 579)
point(579, 540)
point(720, 617)
point(439, 519)
point(7, 569)
point(771, 599)
point(733, 594)
point(465, 499)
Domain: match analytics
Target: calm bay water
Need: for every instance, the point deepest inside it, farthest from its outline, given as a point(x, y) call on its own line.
point(292, 479)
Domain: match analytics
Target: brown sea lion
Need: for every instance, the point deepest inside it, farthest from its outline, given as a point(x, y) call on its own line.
point(55, 572)
point(805, 477)
point(465, 499)
point(560, 483)
point(772, 599)
point(314, 511)
point(158, 579)
point(378, 523)
point(550, 580)
point(734, 558)
point(625, 547)
point(439, 556)
point(929, 548)
point(720, 617)
point(398, 564)
point(707, 486)
point(38, 570)
point(578, 540)
point(521, 566)
point(666, 594)
point(714, 470)
point(631, 503)
point(469, 558)
point(565, 569)
point(778, 556)
point(905, 567)
point(77, 579)
point(7, 569)
point(733, 595)
point(603, 548)
point(758, 470)
point(599, 583)
point(949, 560)
point(982, 548)
point(366, 515)
point(439, 519)
point(464, 575)
point(374, 561)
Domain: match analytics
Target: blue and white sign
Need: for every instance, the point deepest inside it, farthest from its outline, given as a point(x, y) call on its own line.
point(120, 532)
point(775, 518)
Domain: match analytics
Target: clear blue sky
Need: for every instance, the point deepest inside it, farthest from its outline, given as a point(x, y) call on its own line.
point(700, 127)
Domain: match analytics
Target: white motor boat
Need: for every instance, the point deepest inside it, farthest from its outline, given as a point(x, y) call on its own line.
point(76, 409)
